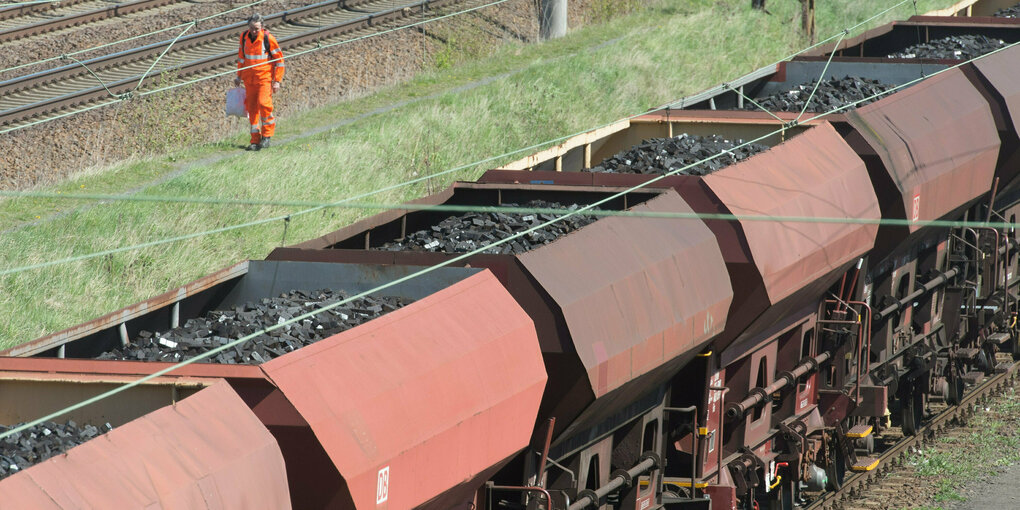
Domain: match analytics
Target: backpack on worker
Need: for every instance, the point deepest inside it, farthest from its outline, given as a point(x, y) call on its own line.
point(265, 42)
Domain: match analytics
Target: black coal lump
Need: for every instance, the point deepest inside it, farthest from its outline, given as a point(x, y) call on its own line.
point(40, 442)
point(220, 327)
point(474, 230)
point(661, 155)
point(955, 47)
point(831, 94)
point(1008, 12)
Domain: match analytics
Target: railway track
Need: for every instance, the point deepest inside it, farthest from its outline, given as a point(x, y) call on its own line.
point(41, 10)
point(15, 26)
point(856, 484)
point(111, 78)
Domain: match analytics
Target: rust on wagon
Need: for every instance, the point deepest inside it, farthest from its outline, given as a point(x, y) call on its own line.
point(366, 224)
point(931, 164)
point(207, 451)
point(25, 396)
point(969, 21)
point(815, 175)
point(1003, 75)
point(758, 305)
point(635, 292)
point(565, 398)
point(127, 369)
point(588, 149)
point(463, 365)
point(639, 297)
point(924, 27)
point(125, 314)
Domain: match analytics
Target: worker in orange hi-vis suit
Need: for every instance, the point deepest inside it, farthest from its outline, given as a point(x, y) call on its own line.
point(260, 67)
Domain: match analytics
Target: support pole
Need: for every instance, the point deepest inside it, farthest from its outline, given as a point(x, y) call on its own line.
point(552, 19)
point(807, 19)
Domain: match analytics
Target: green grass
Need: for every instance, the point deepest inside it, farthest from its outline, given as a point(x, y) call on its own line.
point(517, 96)
point(950, 463)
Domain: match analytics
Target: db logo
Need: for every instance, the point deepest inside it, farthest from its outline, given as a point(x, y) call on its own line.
point(382, 487)
point(916, 213)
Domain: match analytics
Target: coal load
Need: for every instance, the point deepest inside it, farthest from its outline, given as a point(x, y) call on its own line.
point(661, 155)
point(468, 232)
point(40, 442)
point(220, 327)
point(1008, 12)
point(957, 47)
point(831, 94)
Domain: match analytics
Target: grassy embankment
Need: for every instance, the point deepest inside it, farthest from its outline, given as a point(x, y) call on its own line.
point(466, 110)
point(988, 443)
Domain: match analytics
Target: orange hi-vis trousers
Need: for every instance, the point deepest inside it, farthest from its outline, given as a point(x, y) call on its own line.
point(258, 102)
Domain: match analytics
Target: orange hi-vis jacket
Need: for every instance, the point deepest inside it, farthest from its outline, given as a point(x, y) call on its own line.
point(254, 52)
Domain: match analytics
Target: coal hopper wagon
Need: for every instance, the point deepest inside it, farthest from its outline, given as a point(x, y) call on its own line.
point(411, 398)
point(843, 331)
point(743, 333)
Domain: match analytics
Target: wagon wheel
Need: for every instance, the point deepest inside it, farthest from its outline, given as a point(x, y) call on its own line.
point(912, 409)
point(954, 386)
point(786, 497)
point(835, 470)
point(983, 363)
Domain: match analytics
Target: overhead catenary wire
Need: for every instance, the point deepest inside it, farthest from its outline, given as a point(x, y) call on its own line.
point(318, 47)
point(582, 210)
point(506, 209)
point(821, 77)
point(347, 41)
point(283, 324)
point(813, 90)
point(163, 54)
point(451, 170)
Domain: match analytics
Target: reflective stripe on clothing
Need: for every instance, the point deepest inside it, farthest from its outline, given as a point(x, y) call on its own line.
point(259, 104)
point(253, 61)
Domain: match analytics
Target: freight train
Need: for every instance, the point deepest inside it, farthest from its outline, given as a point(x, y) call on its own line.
point(737, 335)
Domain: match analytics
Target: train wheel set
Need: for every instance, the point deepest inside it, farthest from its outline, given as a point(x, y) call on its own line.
point(741, 331)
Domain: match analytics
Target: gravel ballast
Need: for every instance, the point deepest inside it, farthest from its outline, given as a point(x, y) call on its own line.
point(50, 152)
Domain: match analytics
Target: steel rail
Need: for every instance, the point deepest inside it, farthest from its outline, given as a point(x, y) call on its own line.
point(17, 11)
point(189, 42)
point(82, 18)
point(855, 484)
point(195, 65)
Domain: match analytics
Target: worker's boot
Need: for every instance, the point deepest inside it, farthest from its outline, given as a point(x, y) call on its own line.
point(253, 147)
point(264, 143)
